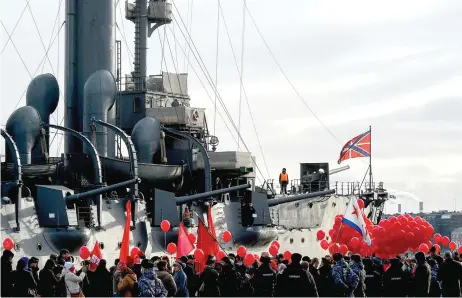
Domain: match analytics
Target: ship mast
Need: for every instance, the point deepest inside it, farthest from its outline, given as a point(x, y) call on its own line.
point(147, 19)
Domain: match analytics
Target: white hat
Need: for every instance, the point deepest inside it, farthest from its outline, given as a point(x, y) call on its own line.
point(68, 265)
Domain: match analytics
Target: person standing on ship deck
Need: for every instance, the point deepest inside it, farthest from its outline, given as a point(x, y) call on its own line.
point(283, 181)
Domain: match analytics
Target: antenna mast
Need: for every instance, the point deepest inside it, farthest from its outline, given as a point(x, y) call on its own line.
point(147, 19)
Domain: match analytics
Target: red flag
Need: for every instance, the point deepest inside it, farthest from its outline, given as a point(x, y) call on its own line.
point(184, 246)
point(124, 248)
point(212, 228)
point(359, 146)
point(207, 243)
point(96, 255)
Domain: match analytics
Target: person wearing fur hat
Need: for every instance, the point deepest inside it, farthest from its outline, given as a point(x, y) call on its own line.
point(149, 284)
point(166, 278)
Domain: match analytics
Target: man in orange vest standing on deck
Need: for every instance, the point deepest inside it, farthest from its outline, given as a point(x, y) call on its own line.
point(283, 181)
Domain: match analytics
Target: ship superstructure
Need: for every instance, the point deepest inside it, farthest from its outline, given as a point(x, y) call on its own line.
point(50, 203)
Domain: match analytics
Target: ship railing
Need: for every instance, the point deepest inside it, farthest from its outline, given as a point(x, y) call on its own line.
point(80, 216)
point(341, 188)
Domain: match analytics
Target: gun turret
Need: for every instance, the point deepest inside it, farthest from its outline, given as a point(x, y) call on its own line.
point(275, 202)
point(165, 203)
point(53, 201)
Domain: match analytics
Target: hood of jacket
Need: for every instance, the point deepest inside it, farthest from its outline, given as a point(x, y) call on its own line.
point(149, 274)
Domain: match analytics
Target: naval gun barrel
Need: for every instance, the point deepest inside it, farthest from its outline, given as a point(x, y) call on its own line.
point(187, 199)
point(275, 202)
point(338, 170)
point(101, 190)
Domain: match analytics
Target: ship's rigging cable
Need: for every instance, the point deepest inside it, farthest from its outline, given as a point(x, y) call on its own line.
point(241, 75)
point(122, 33)
point(287, 78)
point(216, 68)
point(201, 64)
point(16, 49)
point(190, 19)
point(14, 28)
point(244, 91)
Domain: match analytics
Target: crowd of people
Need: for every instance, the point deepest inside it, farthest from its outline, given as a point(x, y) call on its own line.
point(337, 275)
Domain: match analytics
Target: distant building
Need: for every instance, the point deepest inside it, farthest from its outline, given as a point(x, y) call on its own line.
point(456, 236)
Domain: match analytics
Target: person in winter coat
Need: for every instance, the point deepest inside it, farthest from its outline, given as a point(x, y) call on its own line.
point(101, 282)
point(34, 268)
point(190, 275)
point(127, 282)
point(149, 284)
point(228, 278)
point(395, 280)
point(325, 278)
point(422, 276)
point(7, 273)
point(209, 281)
point(450, 275)
point(72, 280)
point(24, 282)
point(435, 256)
point(296, 282)
point(166, 278)
point(180, 279)
point(373, 279)
point(435, 286)
point(358, 268)
point(264, 279)
point(48, 280)
point(345, 280)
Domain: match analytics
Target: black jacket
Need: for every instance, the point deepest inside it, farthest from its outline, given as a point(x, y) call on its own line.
point(24, 284)
point(395, 282)
point(228, 281)
point(296, 282)
point(48, 283)
point(373, 283)
point(264, 280)
point(450, 274)
point(6, 277)
point(422, 280)
point(209, 278)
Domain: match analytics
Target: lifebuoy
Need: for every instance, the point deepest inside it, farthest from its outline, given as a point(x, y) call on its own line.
point(195, 115)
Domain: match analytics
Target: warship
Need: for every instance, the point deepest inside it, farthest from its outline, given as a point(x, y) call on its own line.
point(171, 165)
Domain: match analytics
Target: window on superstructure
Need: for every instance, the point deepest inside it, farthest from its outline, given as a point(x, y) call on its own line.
point(136, 105)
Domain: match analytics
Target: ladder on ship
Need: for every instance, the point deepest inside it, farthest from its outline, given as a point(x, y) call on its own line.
point(119, 90)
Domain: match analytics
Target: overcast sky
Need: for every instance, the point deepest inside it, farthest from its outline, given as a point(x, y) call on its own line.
point(395, 65)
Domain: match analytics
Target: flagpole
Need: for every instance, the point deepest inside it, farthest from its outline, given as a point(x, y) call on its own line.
point(370, 159)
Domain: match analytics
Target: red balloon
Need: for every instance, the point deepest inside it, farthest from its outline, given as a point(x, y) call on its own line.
point(165, 225)
point(135, 252)
point(452, 245)
point(192, 238)
point(460, 250)
point(320, 234)
point(241, 251)
point(429, 231)
point(220, 255)
point(429, 244)
point(276, 243)
point(437, 248)
point(287, 255)
point(273, 250)
point(226, 237)
point(84, 252)
point(171, 248)
point(354, 242)
point(333, 248)
point(360, 204)
point(257, 257)
point(199, 254)
point(445, 241)
point(8, 243)
point(423, 248)
point(437, 238)
point(324, 244)
point(343, 249)
point(249, 259)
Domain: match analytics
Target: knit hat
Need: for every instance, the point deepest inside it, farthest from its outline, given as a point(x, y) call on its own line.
point(146, 264)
